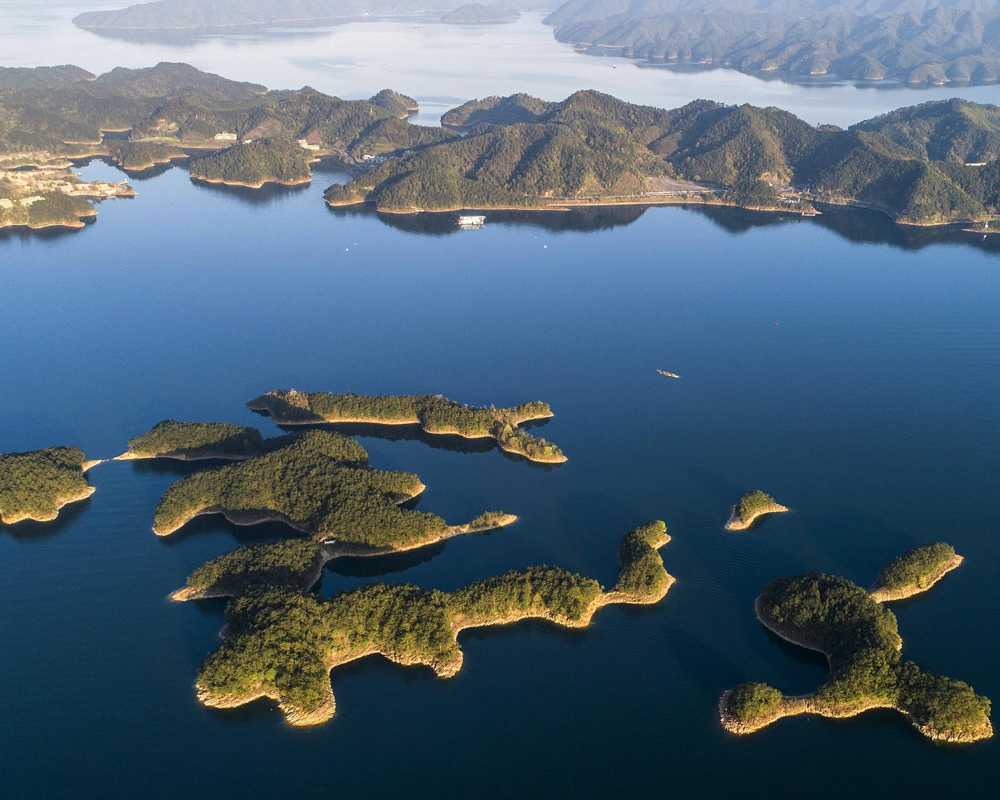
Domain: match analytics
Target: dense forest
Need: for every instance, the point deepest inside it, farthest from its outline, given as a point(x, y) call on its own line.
point(36, 484)
point(861, 639)
point(435, 414)
point(916, 41)
point(282, 643)
point(196, 440)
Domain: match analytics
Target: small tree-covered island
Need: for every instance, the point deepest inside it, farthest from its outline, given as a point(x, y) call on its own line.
point(860, 639)
point(282, 643)
point(36, 485)
point(752, 505)
point(433, 413)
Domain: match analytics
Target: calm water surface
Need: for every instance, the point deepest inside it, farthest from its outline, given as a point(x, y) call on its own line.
point(870, 410)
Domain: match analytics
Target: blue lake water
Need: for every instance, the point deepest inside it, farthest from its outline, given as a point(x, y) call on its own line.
point(870, 409)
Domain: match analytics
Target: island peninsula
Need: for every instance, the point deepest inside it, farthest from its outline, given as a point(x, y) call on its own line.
point(282, 644)
point(752, 505)
point(932, 164)
point(37, 484)
point(434, 414)
point(860, 639)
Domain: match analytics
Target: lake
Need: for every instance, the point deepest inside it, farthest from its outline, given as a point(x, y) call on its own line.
point(870, 409)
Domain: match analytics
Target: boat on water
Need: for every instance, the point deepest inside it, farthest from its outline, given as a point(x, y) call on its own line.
point(668, 374)
point(471, 221)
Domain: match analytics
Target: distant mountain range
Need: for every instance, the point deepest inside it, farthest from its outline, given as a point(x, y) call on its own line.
point(917, 41)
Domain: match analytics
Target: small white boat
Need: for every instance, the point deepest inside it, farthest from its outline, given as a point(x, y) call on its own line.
point(668, 374)
point(471, 221)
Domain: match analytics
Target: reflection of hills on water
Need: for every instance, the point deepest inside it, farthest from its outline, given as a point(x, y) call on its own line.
point(861, 225)
point(580, 220)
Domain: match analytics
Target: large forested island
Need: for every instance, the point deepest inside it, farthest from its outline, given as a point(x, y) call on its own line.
point(916, 41)
point(433, 413)
point(35, 485)
point(859, 636)
point(281, 643)
point(925, 165)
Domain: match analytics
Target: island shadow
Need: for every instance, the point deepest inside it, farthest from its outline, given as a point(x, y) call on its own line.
point(31, 531)
point(266, 195)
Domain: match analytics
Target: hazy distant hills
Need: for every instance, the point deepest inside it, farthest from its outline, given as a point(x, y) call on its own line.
point(191, 14)
point(917, 41)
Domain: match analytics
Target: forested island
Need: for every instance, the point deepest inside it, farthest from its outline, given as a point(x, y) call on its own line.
point(282, 643)
point(481, 14)
point(36, 484)
point(433, 413)
point(914, 41)
point(228, 131)
point(319, 483)
point(860, 638)
point(752, 505)
point(193, 441)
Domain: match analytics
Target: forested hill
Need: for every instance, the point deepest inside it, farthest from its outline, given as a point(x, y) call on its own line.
point(189, 14)
point(172, 106)
point(913, 40)
point(525, 152)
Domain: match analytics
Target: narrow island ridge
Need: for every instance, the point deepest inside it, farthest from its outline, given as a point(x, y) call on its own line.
point(434, 414)
point(282, 644)
point(752, 505)
point(860, 639)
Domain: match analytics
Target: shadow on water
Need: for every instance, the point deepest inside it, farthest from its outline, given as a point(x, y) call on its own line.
point(261, 533)
point(381, 565)
point(577, 220)
point(30, 531)
point(859, 225)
